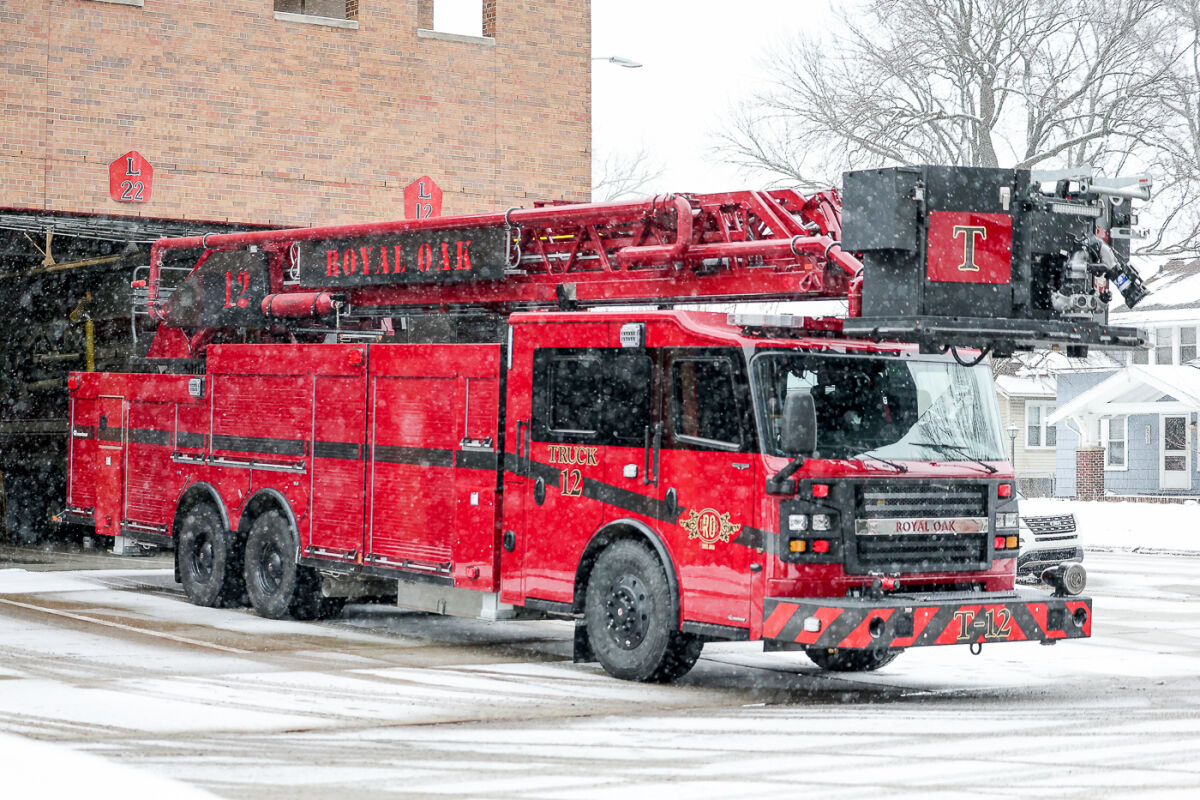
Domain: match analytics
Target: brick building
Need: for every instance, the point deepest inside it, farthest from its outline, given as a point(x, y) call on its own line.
point(267, 112)
point(292, 112)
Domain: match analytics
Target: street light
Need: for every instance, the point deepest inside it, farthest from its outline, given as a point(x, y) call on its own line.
point(620, 61)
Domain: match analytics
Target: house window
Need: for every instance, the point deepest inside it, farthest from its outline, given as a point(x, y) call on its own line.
point(1114, 434)
point(1039, 435)
point(1163, 338)
point(1187, 344)
point(328, 9)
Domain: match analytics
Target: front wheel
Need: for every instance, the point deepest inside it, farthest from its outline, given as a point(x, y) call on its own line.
point(629, 621)
point(835, 660)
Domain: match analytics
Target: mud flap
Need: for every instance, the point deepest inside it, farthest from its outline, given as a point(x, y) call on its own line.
point(583, 647)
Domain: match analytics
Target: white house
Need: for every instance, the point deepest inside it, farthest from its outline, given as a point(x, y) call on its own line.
point(1027, 391)
point(1141, 418)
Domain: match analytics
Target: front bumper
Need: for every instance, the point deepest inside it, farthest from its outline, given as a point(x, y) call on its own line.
point(922, 620)
point(1035, 560)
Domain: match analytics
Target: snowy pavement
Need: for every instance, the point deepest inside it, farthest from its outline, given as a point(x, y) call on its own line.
point(384, 703)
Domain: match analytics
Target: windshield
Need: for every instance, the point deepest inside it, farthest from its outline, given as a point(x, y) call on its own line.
point(884, 407)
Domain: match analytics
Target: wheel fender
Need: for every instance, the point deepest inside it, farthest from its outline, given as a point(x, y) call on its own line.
point(195, 493)
point(263, 500)
point(625, 529)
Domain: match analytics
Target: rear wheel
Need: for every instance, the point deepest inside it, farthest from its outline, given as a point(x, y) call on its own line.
point(836, 660)
point(210, 566)
point(278, 587)
point(629, 621)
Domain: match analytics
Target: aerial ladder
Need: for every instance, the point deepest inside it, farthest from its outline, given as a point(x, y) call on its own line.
point(943, 256)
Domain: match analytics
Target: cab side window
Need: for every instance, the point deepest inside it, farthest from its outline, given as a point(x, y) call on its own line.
point(575, 387)
point(592, 396)
point(704, 404)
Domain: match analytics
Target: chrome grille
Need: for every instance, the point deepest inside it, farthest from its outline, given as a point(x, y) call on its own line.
point(1058, 524)
point(922, 500)
point(922, 552)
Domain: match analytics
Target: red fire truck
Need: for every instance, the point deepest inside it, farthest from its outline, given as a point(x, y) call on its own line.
point(435, 410)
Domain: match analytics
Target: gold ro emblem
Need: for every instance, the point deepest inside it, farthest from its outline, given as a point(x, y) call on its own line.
point(709, 527)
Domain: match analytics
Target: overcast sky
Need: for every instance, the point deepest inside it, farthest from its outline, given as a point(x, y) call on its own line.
point(700, 57)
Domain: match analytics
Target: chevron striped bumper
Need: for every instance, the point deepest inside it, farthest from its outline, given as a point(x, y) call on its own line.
point(897, 621)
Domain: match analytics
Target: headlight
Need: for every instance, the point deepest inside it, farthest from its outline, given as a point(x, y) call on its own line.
point(821, 522)
point(797, 522)
point(1007, 519)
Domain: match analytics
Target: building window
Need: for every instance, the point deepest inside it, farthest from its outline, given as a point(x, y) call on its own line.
point(1163, 339)
point(1114, 435)
point(1039, 435)
point(1187, 345)
point(328, 9)
point(470, 21)
point(464, 17)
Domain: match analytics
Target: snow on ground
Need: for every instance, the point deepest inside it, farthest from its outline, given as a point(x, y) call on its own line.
point(39, 769)
point(1131, 526)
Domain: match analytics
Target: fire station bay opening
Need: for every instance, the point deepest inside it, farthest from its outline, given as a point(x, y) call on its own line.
point(906, 409)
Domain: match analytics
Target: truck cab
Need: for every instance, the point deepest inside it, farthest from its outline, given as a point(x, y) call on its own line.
point(669, 428)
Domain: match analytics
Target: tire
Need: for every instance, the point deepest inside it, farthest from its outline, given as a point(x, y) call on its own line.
point(835, 660)
point(630, 626)
point(277, 586)
point(210, 560)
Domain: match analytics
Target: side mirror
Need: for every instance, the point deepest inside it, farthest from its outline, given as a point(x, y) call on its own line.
point(799, 435)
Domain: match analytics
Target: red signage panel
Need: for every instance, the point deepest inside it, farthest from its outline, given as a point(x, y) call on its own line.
point(422, 199)
point(454, 256)
point(967, 247)
point(130, 178)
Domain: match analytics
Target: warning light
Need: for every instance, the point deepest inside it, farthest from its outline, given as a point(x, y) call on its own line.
point(1004, 490)
point(820, 546)
point(820, 490)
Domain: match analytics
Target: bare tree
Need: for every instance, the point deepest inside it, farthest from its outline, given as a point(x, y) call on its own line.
point(621, 174)
point(971, 82)
point(1176, 165)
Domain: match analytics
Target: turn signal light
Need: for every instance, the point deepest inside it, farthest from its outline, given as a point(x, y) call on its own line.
point(797, 545)
point(820, 490)
point(1011, 542)
point(1004, 490)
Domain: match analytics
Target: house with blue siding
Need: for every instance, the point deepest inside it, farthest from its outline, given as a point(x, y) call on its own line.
point(1140, 419)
